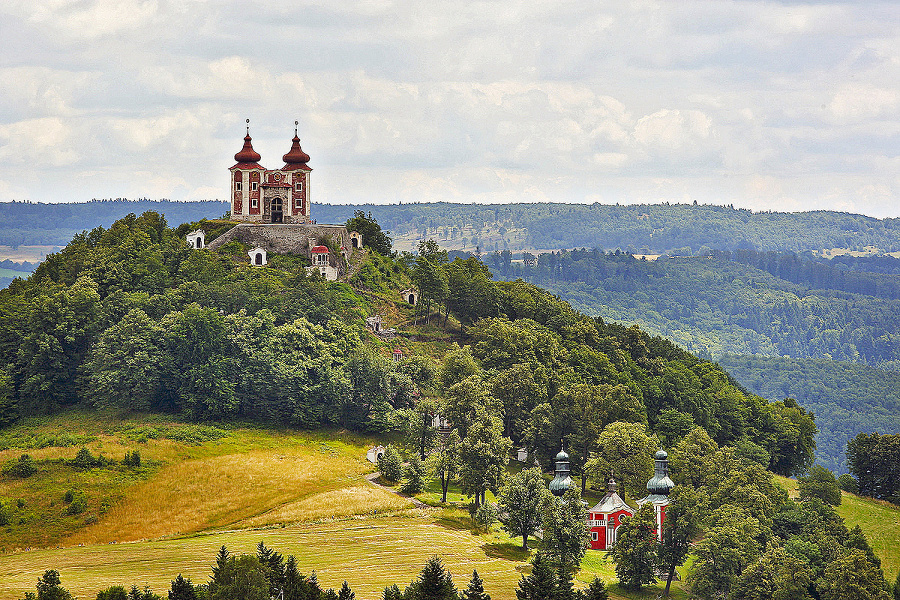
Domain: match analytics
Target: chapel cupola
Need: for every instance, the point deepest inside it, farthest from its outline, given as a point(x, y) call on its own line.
point(296, 158)
point(562, 481)
point(247, 156)
point(660, 484)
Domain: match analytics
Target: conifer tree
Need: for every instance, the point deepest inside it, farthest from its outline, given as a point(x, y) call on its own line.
point(540, 584)
point(274, 564)
point(221, 559)
point(346, 593)
point(295, 585)
point(392, 592)
point(434, 583)
point(182, 589)
point(475, 591)
point(595, 591)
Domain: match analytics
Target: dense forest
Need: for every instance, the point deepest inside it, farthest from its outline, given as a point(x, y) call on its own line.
point(38, 223)
point(714, 305)
point(129, 317)
point(847, 398)
point(646, 228)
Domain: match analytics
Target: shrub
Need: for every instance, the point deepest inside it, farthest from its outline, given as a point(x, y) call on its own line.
point(414, 476)
point(848, 483)
point(24, 467)
point(4, 514)
point(84, 459)
point(390, 464)
point(77, 506)
point(68, 496)
point(132, 459)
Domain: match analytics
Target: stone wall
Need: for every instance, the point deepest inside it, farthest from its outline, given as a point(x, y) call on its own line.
point(289, 239)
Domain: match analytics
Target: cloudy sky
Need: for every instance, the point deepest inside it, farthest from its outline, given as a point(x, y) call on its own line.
point(765, 105)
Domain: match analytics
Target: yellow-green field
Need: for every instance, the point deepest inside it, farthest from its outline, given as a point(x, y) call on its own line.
point(200, 488)
point(369, 552)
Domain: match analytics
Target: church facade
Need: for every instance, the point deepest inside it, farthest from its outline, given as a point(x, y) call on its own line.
point(260, 195)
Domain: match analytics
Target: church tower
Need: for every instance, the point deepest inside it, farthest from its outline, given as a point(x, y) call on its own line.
point(297, 176)
point(245, 180)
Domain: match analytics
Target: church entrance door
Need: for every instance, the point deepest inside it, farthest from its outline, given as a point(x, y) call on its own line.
point(277, 211)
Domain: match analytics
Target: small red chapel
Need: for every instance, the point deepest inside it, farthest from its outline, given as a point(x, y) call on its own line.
point(607, 516)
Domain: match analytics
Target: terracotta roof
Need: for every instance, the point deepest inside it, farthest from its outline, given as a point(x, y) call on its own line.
point(320, 250)
point(296, 167)
point(247, 153)
point(295, 156)
point(246, 165)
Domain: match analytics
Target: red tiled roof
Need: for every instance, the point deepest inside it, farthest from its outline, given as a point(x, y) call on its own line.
point(246, 165)
point(247, 153)
point(295, 155)
point(296, 167)
point(320, 250)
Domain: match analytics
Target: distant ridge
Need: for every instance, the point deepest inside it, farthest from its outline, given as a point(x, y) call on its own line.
point(642, 228)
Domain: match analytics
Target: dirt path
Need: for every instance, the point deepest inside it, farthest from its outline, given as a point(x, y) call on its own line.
point(371, 477)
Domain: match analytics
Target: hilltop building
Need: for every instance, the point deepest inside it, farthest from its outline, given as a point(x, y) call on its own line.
point(272, 207)
point(260, 195)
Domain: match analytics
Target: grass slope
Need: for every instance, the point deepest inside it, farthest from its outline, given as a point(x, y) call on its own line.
point(193, 479)
point(368, 552)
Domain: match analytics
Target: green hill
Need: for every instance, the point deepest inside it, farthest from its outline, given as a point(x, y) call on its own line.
point(233, 361)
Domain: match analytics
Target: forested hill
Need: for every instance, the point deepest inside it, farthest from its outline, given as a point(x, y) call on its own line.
point(130, 318)
point(32, 223)
point(654, 228)
point(847, 398)
point(714, 305)
point(648, 228)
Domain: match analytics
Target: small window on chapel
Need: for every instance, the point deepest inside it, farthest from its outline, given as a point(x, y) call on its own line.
point(298, 203)
point(237, 186)
point(254, 203)
point(254, 186)
point(298, 186)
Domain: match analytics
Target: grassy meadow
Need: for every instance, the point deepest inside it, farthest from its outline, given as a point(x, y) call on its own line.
point(192, 478)
point(370, 552)
point(201, 487)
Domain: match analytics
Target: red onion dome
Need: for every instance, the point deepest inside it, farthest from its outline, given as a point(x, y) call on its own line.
point(247, 153)
point(296, 156)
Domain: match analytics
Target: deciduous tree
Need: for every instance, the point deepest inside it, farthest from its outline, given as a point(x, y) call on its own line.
point(522, 499)
point(635, 552)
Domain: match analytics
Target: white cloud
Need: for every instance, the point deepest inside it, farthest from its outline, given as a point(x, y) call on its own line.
point(768, 103)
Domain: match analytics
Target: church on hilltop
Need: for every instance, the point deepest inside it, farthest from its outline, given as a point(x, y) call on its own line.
point(271, 208)
point(260, 195)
